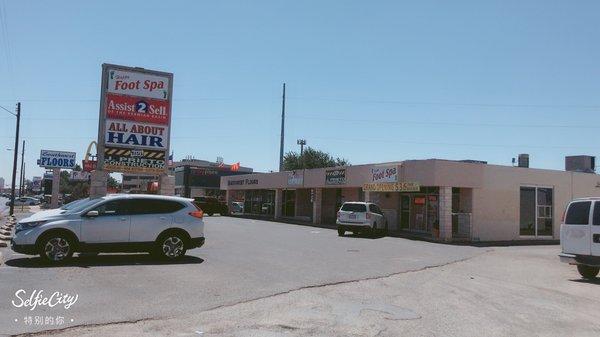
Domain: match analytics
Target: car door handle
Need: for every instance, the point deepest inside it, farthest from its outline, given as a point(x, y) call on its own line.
point(596, 238)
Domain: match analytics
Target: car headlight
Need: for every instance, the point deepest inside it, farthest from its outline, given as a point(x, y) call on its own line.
point(21, 226)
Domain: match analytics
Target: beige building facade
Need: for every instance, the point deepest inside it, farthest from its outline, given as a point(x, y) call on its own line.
point(447, 200)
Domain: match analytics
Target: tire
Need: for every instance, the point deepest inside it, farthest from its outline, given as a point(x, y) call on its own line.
point(588, 272)
point(56, 248)
point(341, 231)
point(171, 246)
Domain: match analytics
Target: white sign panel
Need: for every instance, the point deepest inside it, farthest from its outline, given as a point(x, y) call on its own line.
point(57, 159)
point(138, 84)
point(136, 135)
point(384, 174)
point(295, 179)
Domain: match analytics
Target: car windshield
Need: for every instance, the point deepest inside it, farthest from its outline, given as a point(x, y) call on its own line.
point(74, 204)
point(83, 204)
point(354, 208)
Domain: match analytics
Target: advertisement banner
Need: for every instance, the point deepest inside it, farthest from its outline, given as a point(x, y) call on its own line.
point(134, 160)
point(135, 83)
point(295, 179)
point(79, 176)
point(137, 135)
point(57, 159)
point(392, 187)
point(384, 174)
point(137, 109)
point(335, 177)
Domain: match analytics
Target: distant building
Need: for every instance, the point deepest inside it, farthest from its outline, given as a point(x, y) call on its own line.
point(2, 184)
point(137, 183)
point(196, 178)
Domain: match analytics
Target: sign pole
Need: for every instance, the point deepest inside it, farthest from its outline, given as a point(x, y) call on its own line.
point(55, 187)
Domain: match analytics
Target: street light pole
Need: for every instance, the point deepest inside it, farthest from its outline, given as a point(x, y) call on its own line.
point(301, 142)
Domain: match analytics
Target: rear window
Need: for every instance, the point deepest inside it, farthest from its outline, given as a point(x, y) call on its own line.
point(153, 206)
point(578, 213)
point(354, 208)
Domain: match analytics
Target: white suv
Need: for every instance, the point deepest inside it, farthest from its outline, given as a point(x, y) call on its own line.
point(358, 217)
point(167, 226)
point(580, 236)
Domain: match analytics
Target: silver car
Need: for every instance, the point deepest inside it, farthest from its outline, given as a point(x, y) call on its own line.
point(165, 226)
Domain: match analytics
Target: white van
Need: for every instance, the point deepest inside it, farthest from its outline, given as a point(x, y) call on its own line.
point(580, 236)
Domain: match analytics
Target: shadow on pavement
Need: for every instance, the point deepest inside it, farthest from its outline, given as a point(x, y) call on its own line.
point(582, 280)
point(86, 261)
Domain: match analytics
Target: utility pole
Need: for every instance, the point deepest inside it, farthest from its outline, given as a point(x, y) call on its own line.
point(22, 180)
point(14, 173)
point(282, 130)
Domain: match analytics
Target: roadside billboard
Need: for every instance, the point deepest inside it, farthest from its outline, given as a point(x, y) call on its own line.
point(135, 119)
point(57, 159)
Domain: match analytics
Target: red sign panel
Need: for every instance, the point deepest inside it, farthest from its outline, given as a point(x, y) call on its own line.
point(89, 165)
point(138, 109)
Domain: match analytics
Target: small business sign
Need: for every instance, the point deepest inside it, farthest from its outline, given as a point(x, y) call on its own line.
point(57, 159)
point(295, 178)
point(135, 119)
point(384, 174)
point(137, 135)
point(79, 176)
point(241, 182)
point(138, 83)
point(137, 109)
point(335, 177)
point(134, 160)
point(89, 165)
point(36, 184)
point(392, 187)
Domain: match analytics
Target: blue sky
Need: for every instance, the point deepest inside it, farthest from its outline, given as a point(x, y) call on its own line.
point(367, 81)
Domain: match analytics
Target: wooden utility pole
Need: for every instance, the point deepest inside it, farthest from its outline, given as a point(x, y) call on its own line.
point(15, 158)
point(282, 130)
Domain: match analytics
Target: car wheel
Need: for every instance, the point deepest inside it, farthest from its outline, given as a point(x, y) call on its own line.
point(171, 246)
point(588, 272)
point(341, 231)
point(56, 248)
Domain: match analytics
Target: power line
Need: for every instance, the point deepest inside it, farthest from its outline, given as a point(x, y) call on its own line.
point(503, 105)
point(581, 126)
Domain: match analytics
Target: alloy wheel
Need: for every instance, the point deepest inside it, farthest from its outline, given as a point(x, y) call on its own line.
point(57, 249)
point(172, 247)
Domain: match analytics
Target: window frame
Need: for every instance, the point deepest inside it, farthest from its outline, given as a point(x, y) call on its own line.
point(537, 205)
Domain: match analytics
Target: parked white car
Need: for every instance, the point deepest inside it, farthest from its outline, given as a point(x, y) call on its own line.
point(166, 226)
point(25, 201)
point(361, 217)
point(580, 236)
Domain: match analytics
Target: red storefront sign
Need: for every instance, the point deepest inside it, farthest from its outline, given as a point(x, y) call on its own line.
point(89, 165)
point(138, 109)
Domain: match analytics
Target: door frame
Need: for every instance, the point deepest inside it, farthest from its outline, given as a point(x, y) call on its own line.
point(536, 236)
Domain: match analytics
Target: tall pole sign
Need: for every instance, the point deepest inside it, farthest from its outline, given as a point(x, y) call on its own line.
point(134, 127)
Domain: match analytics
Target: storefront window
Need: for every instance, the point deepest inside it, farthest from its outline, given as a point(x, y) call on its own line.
point(259, 202)
point(536, 211)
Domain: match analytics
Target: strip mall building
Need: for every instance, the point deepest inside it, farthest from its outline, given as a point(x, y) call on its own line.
point(448, 200)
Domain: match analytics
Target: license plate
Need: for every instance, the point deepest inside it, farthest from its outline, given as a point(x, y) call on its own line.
point(352, 216)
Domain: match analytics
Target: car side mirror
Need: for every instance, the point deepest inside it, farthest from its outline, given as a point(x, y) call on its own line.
point(92, 214)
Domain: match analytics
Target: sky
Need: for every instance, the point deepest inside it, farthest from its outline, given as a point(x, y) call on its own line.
point(368, 81)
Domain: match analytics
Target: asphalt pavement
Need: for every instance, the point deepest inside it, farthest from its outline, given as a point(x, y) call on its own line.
point(243, 260)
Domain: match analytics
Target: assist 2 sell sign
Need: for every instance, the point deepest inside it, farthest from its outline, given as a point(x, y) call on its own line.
point(137, 109)
point(57, 159)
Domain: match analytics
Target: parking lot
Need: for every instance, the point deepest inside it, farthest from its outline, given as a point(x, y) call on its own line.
point(266, 278)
